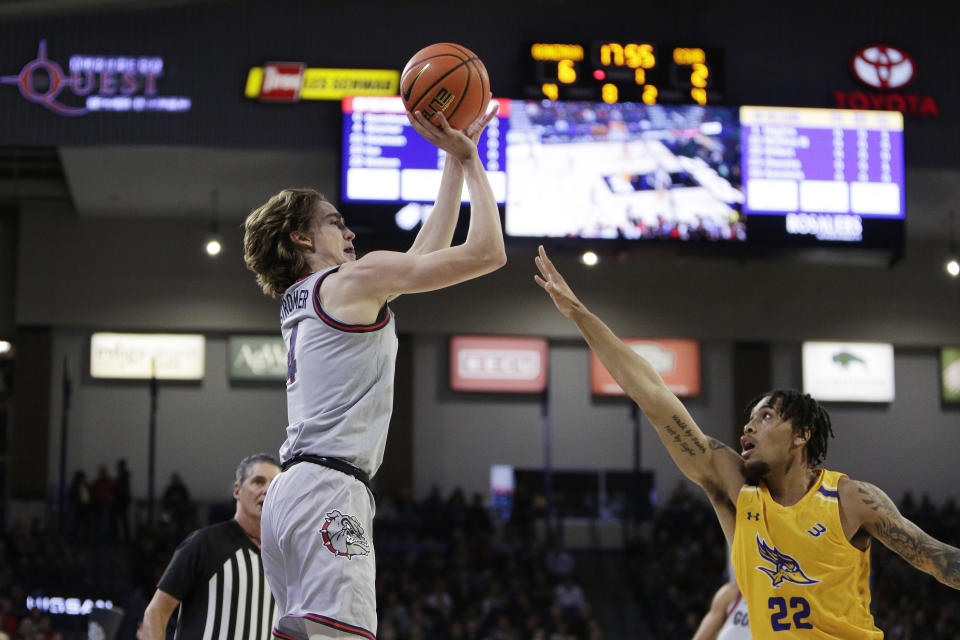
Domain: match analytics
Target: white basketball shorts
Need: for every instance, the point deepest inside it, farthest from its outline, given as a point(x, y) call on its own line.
point(317, 552)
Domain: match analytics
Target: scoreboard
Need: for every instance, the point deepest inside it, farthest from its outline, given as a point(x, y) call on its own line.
point(625, 72)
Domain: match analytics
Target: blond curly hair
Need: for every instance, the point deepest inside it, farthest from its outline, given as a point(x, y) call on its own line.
point(268, 250)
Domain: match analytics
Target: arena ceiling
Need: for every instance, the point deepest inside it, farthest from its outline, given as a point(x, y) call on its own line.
point(179, 181)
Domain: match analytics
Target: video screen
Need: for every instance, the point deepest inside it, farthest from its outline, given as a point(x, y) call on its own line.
point(385, 160)
point(625, 170)
point(823, 175)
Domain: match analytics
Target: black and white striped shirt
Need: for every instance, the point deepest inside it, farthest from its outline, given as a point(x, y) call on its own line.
point(217, 575)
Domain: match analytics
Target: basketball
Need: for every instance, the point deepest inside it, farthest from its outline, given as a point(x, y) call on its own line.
point(447, 78)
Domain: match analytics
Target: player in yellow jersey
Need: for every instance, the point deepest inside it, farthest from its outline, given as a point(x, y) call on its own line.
point(800, 535)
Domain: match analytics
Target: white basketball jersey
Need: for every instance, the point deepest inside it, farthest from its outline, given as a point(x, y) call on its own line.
point(339, 379)
point(737, 625)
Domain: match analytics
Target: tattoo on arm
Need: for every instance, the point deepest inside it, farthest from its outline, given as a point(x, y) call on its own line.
point(715, 444)
point(684, 436)
point(914, 545)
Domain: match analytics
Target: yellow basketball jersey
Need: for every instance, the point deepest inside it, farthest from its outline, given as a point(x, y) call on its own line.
point(800, 575)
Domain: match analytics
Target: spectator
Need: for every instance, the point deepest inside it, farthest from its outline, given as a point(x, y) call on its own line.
point(8, 621)
point(569, 597)
point(80, 504)
point(521, 515)
point(439, 600)
point(432, 520)
point(29, 628)
point(119, 514)
point(456, 509)
point(176, 503)
point(559, 560)
point(102, 494)
point(477, 520)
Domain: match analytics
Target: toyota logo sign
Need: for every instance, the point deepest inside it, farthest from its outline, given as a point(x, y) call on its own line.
point(883, 67)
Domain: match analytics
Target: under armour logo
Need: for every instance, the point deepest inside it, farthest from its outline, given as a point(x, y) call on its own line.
point(816, 530)
point(753, 516)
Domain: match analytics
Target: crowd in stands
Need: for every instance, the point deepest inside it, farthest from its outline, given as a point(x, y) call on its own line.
point(447, 570)
point(908, 604)
point(444, 571)
point(676, 568)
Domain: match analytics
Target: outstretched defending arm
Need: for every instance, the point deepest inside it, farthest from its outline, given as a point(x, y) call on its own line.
point(868, 507)
point(706, 461)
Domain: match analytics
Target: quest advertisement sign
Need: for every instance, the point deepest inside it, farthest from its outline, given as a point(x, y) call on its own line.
point(85, 83)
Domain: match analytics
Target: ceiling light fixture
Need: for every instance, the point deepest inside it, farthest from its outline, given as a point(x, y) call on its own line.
point(952, 264)
point(213, 245)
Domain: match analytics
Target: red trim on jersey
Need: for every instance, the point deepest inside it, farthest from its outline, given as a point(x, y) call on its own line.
point(277, 634)
point(733, 607)
point(337, 624)
point(336, 324)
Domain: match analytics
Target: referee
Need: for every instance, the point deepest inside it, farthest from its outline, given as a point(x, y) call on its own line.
point(216, 575)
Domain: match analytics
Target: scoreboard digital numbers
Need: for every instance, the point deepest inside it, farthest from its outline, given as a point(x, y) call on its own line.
point(625, 72)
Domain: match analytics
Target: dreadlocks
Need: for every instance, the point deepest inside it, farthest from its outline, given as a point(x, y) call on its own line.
point(803, 412)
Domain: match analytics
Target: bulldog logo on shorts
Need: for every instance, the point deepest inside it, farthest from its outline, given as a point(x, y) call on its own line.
point(343, 536)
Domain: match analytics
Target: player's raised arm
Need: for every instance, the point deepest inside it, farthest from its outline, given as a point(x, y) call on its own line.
point(706, 461)
point(387, 274)
point(437, 230)
point(864, 505)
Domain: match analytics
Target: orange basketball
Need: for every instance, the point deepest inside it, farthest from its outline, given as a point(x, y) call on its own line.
point(446, 78)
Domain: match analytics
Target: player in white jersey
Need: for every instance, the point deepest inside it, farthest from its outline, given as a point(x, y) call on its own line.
point(727, 618)
point(341, 345)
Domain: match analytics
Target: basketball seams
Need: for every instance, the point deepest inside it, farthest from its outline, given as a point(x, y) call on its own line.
point(463, 94)
point(438, 81)
point(418, 63)
point(451, 79)
point(481, 73)
point(468, 55)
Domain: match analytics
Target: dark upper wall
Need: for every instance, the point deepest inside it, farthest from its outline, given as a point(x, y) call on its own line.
point(8, 271)
point(773, 55)
point(115, 274)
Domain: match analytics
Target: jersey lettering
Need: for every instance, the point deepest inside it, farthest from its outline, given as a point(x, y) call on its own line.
point(291, 357)
point(816, 530)
point(293, 301)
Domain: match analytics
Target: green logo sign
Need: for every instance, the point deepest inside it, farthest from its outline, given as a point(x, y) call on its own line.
point(257, 358)
point(950, 378)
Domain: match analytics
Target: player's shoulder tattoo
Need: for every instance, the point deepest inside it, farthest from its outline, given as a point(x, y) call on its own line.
point(912, 543)
point(874, 499)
